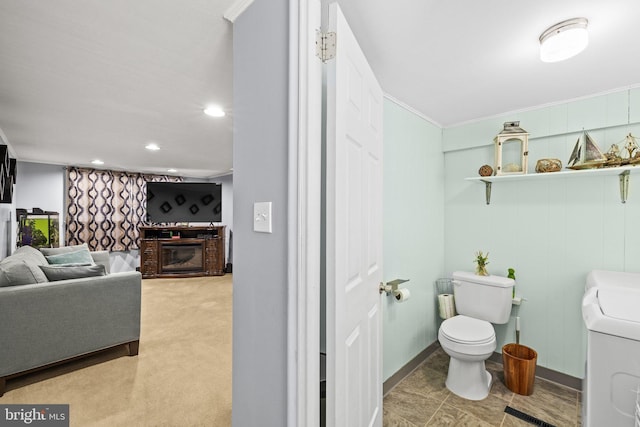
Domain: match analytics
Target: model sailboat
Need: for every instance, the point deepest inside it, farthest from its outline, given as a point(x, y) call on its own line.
point(629, 154)
point(631, 146)
point(586, 154)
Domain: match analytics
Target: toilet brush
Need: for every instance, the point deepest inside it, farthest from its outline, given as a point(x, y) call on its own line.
point(518, 330)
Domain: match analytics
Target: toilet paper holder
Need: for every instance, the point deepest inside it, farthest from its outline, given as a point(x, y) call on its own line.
point(392, 286)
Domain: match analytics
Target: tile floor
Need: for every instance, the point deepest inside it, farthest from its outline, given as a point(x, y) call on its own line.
point(422, 400)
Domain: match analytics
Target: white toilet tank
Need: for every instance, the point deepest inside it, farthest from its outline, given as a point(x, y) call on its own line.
point(483, 297)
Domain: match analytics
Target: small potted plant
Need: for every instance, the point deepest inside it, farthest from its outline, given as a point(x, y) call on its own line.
point(481, 263)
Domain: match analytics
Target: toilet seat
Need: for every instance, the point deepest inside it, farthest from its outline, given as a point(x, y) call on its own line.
point(467, 330)
point(467, 336)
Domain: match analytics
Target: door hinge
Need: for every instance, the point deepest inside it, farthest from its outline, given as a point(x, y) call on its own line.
point(325, 45)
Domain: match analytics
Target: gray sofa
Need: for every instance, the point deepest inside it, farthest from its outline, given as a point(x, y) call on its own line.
point(44, 322)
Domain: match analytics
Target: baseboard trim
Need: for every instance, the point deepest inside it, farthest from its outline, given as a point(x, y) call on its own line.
point(403, 372)
point(548, 374)
point(541, 371)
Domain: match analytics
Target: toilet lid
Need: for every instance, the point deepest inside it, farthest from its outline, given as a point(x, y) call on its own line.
point(465, 329)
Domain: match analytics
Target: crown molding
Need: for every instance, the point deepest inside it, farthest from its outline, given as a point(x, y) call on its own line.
point(412, 110)
point(236, 9)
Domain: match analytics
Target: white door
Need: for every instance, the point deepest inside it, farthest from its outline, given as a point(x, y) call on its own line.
point(353, 234)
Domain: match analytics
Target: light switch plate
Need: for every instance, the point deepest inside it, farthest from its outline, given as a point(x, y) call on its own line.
point(262, 217)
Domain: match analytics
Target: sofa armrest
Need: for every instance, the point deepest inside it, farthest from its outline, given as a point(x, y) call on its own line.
point(102, 257)
point(47, 322)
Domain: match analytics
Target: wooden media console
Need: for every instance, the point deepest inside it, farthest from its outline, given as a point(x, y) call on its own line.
point(182, 251)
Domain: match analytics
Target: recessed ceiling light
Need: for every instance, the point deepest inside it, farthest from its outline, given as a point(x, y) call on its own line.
point(214, 111)
point(97, 162)
point(564, 40)
point(152, 146)
point(172, 170)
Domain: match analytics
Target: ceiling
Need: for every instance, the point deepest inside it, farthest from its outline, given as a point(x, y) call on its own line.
point(457, 61)
point(87, 79)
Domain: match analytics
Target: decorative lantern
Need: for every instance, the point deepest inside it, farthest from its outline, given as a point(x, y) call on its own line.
point(511, 135)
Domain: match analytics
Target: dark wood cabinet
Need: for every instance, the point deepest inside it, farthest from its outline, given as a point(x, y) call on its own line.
point(149, 257)
point(182, 251)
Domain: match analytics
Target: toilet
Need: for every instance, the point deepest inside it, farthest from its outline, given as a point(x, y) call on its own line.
point(469, 338)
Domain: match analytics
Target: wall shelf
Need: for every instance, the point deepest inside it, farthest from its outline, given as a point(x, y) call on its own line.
point(623, 173)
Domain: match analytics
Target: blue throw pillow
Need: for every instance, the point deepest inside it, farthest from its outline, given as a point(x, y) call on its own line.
point(78, 257)
point(63, 249)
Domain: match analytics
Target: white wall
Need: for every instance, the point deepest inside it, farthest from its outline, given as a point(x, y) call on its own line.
point(40, 185)
point(260, 164)
point(551, 231)
point(413, 232)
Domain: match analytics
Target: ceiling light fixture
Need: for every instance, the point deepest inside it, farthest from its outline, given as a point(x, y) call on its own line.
point(152, 146)
point(172, 170)
point(97, 162)
point(564, 40)
point(214, 111)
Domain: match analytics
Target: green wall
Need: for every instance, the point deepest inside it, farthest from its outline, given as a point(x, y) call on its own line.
point(553, 231)
point(413, 232)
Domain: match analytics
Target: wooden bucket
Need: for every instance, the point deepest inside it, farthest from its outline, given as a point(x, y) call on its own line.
point(519, 368)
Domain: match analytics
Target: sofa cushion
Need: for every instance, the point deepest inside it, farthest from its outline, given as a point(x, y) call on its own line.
point(63, 249)
point(28, 253)
point(82, 256)
point(19, 271)
point(102, 257)
point(64, 272)
point(21, 268)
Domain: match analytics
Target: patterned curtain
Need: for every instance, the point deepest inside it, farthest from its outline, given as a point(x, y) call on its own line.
point(106, 208)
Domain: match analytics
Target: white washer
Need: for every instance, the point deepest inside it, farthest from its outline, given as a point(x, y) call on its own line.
point(611, 312)
point(617, 279)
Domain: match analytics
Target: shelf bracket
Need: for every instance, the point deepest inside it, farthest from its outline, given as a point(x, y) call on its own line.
point(624, 186)
point(487, 190)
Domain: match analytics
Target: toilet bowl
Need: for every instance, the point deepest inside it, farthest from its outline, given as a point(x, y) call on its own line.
point(469, 338)
point(469, 342)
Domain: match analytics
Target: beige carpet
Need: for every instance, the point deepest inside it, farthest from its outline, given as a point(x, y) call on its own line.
point(182, 376)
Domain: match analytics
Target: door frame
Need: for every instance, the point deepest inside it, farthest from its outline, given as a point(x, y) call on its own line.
point(304, 205)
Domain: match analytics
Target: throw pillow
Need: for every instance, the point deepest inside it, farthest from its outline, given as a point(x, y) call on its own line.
point(16, 272)
point(78, 257)
point(63, 249)
point(59, 272)
point(28, 253)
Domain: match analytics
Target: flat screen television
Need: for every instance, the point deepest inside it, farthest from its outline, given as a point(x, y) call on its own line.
point(184, 202)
